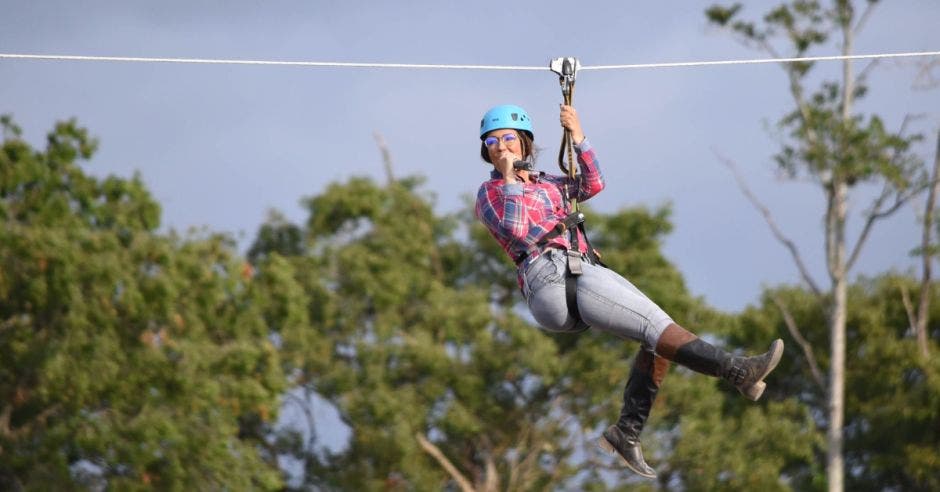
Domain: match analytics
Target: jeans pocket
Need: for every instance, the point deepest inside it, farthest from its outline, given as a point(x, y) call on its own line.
point(543, 271)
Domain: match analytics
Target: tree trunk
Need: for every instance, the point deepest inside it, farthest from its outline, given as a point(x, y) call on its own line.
point(834, 461)
point(923, 306)
point(835, 224)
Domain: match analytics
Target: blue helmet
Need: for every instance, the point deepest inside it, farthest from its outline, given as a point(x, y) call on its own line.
point(506, 116)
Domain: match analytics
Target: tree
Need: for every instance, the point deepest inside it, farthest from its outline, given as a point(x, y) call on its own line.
point(892, 404)
point(927, 251)
point(436, 389)
point(444, 384)
point(131, 359)
point(838, 149)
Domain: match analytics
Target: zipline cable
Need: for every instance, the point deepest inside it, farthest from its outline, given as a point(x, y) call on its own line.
point(763, 60)
point(321, 64)
point(211, 61)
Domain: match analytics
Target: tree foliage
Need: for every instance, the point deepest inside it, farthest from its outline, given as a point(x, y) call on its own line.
point(135, 359)
point(131, 359)
point(444, 382)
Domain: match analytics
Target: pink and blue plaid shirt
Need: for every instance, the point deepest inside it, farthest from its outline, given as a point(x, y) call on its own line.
point(519, 214)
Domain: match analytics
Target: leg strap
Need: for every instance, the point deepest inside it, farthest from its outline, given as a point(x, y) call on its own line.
point(571, 290)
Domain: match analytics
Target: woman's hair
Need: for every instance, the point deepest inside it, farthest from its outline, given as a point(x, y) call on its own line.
point(528, 147)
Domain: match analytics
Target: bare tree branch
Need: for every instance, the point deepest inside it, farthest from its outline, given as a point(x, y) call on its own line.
point(876, 213)
point(390, 178)
point(923, 305)
point(9, 323)
point(832, 225)
point(39, 419)
point(529, 446)
point(304, 405)
point(523, 472)
point(386, 156)
point(5, 429)
point(790, 245)
point(925, 78)
point(801, 341)
point(864, 18)
point(442, 460)
point(863, 73)
point(908, 306)
point(796, 89)
point(766, 46)
point(514, 468)
point(491, 480)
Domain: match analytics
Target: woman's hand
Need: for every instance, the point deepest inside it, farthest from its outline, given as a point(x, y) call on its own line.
point(571, 122)
point(504, 162)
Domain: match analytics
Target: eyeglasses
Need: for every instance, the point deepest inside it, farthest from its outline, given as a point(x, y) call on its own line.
point(507, 139)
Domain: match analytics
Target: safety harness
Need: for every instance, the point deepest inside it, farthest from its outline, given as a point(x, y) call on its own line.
point(573, 223)
point(567, 69)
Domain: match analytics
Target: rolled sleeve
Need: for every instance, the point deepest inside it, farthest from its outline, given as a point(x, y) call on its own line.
point(591, 181)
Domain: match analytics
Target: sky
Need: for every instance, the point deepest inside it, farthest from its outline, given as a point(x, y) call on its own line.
point(220, 146)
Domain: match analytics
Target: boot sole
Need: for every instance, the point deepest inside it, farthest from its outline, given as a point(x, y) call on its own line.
point(607, 446)
point(755, 391)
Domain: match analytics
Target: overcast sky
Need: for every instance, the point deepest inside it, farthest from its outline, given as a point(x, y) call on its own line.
point(221, 145)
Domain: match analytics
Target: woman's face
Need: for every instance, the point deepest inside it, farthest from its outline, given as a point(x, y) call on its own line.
point(499, 141)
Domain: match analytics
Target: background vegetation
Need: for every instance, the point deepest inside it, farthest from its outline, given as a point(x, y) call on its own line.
point(132, 358)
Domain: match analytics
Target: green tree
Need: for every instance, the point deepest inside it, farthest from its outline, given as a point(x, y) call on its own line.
point(722, 443)
point(445, 382)
point(893, 398)
point(892, 404)
point(131, 359)
point(435, 387)
point(839, 149)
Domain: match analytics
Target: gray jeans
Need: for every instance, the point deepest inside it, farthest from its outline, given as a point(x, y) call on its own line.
point(606, 301)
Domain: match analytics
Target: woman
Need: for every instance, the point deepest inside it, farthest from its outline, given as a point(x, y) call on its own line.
point(526, 212)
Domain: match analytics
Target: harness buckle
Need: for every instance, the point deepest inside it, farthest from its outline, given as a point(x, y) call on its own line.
point(574, 262)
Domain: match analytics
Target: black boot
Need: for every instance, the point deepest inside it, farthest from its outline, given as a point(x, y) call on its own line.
point(745, 373)
point(638, 396)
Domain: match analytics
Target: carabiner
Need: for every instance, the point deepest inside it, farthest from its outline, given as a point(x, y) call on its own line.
point(567, 69)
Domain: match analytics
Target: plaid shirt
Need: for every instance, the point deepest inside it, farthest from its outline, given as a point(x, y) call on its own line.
point(519, 214)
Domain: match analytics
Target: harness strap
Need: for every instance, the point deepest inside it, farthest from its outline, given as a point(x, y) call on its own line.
point(571, 299)
point(571, 221)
